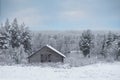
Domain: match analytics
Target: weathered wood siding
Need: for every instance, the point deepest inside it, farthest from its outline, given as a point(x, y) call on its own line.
point(55, 57)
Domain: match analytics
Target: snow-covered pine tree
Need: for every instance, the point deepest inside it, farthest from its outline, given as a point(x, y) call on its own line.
point(18, 54)
point(110, 39)
point(15, 34)
point(86, 43)
point(25, 38)
point(12, 37)
point(5, 34)
point(108, 45)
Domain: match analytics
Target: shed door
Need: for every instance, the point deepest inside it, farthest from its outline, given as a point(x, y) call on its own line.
point(43, 58)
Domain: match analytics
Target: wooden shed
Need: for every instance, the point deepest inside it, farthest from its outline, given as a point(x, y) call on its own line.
point(46, 54)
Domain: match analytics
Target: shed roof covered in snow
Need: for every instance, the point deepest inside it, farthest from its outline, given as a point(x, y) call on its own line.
point(58, 52)
point(55, 50)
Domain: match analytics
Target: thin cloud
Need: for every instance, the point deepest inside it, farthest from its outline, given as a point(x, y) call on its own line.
point(73, 15)
point(19, 1)
point(29, 16)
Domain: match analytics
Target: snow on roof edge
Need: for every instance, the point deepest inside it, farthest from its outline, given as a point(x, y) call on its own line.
point(55, 50)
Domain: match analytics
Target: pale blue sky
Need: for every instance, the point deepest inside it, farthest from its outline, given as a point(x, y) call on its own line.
point(63, 14)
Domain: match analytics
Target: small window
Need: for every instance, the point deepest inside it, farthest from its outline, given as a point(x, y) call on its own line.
point(49, 60)
point(41, 56)
point(41, 60)
point(49, 55)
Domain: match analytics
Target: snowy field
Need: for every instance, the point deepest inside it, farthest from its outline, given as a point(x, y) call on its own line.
point(100, 71)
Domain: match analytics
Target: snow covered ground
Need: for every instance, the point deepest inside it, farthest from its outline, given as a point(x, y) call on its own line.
point(100, 71)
